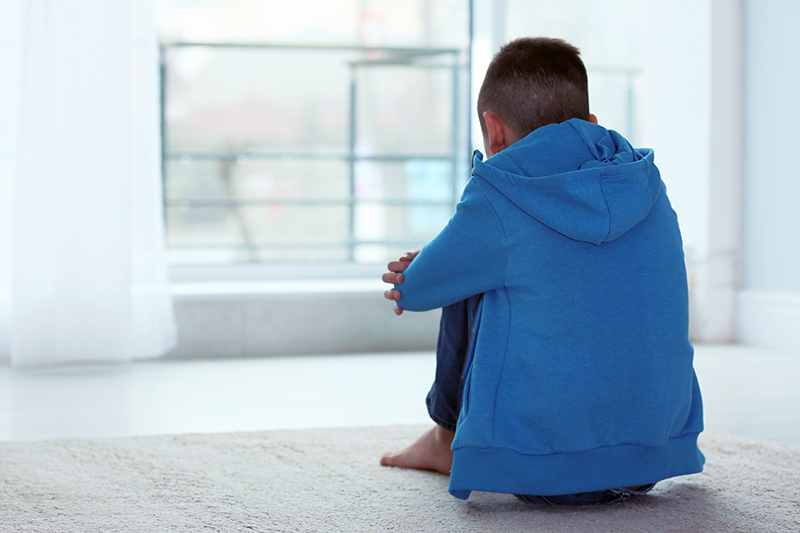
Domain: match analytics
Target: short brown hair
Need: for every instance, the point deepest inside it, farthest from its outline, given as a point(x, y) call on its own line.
point(535, 81)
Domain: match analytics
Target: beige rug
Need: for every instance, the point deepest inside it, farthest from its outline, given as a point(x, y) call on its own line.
point(329, 480)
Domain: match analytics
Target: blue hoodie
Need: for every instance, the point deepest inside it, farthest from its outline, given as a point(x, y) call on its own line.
point(579, 376)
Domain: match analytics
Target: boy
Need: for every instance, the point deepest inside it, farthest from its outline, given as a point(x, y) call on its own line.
point(565, 301)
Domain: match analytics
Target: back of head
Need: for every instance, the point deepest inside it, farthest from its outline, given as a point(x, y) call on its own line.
point(535, 81)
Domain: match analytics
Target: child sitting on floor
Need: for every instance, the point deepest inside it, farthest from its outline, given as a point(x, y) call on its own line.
point(564, 368)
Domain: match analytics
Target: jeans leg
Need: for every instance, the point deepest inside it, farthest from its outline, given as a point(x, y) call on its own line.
point(452, 350)
point(590, 498)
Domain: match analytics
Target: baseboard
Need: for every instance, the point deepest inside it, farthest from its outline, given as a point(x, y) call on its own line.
point(769, 318)
point(711, 313)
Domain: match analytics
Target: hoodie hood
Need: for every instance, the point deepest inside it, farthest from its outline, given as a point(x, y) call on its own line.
point(579, 179)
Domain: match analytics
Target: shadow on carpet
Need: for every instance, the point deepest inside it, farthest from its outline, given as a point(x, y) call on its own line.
point(330, 480)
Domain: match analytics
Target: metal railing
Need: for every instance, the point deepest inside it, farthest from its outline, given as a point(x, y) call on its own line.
point(370, 58)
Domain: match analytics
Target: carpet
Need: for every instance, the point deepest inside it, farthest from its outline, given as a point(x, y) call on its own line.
point(330, 480)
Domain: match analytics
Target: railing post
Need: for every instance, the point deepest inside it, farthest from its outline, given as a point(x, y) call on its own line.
point(351, 222)
point(162, 75)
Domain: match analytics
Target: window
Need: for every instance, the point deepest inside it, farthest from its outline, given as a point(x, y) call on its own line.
point(339, 139)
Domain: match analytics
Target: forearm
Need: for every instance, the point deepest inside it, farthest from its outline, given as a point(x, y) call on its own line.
point(467, 258)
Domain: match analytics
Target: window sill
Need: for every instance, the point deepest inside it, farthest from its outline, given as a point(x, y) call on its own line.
point(255, 312)
point(250, 290)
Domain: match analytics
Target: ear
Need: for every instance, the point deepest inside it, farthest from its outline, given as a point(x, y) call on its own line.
point(592, 118)
point(496, 133)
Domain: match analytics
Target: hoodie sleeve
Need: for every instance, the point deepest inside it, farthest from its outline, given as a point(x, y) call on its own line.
point(467, 258)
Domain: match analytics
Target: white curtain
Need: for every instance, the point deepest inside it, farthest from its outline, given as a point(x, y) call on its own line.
point(83, 274)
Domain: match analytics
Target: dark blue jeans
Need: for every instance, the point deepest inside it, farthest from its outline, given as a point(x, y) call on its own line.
point(444, 399)
point(455, 332)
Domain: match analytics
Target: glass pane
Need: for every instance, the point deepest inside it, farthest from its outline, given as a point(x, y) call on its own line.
point(613, 96)
point(188, 178)
point(441, 23)
point(405, 109)
point(414, 224)
point(244, 178)
point(263, 225)
point(282, 224)
point(272, 100)
point(414, 179)
point(386, 232)
point(231, 254)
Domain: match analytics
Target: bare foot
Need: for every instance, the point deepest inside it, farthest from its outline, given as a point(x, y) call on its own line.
point(431, 451)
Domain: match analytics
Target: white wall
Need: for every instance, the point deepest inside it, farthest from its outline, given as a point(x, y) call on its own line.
point(691, 102)
point(676, 121)
point(721, 81)
point(769, 304)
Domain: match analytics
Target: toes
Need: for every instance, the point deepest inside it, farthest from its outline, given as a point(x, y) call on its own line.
point(391, 459)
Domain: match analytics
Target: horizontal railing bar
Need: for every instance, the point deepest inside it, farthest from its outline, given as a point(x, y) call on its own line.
point(614, 70)
point(315, 47)
point(295, 245)
point(234, 156)
point(234, 202)
point(405, 61)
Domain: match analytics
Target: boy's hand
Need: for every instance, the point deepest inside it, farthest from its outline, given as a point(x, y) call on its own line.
point(395, 276)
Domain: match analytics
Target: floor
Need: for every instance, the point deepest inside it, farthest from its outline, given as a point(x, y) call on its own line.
point(747, 391)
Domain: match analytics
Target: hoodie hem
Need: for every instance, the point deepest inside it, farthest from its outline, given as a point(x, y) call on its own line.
point(507, 471)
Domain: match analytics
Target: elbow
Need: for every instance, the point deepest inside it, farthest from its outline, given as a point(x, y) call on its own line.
point(409, 301)
point(415, 304)
point(410, 306)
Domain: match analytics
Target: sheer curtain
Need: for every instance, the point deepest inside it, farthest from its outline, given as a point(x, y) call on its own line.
point(83, 274)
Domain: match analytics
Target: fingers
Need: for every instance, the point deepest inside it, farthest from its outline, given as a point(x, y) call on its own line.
point(392, 294)
point(392, 277)
point(403, 262)
point(398, 266)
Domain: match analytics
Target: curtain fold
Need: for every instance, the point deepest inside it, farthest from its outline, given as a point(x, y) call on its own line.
point(85, 276)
